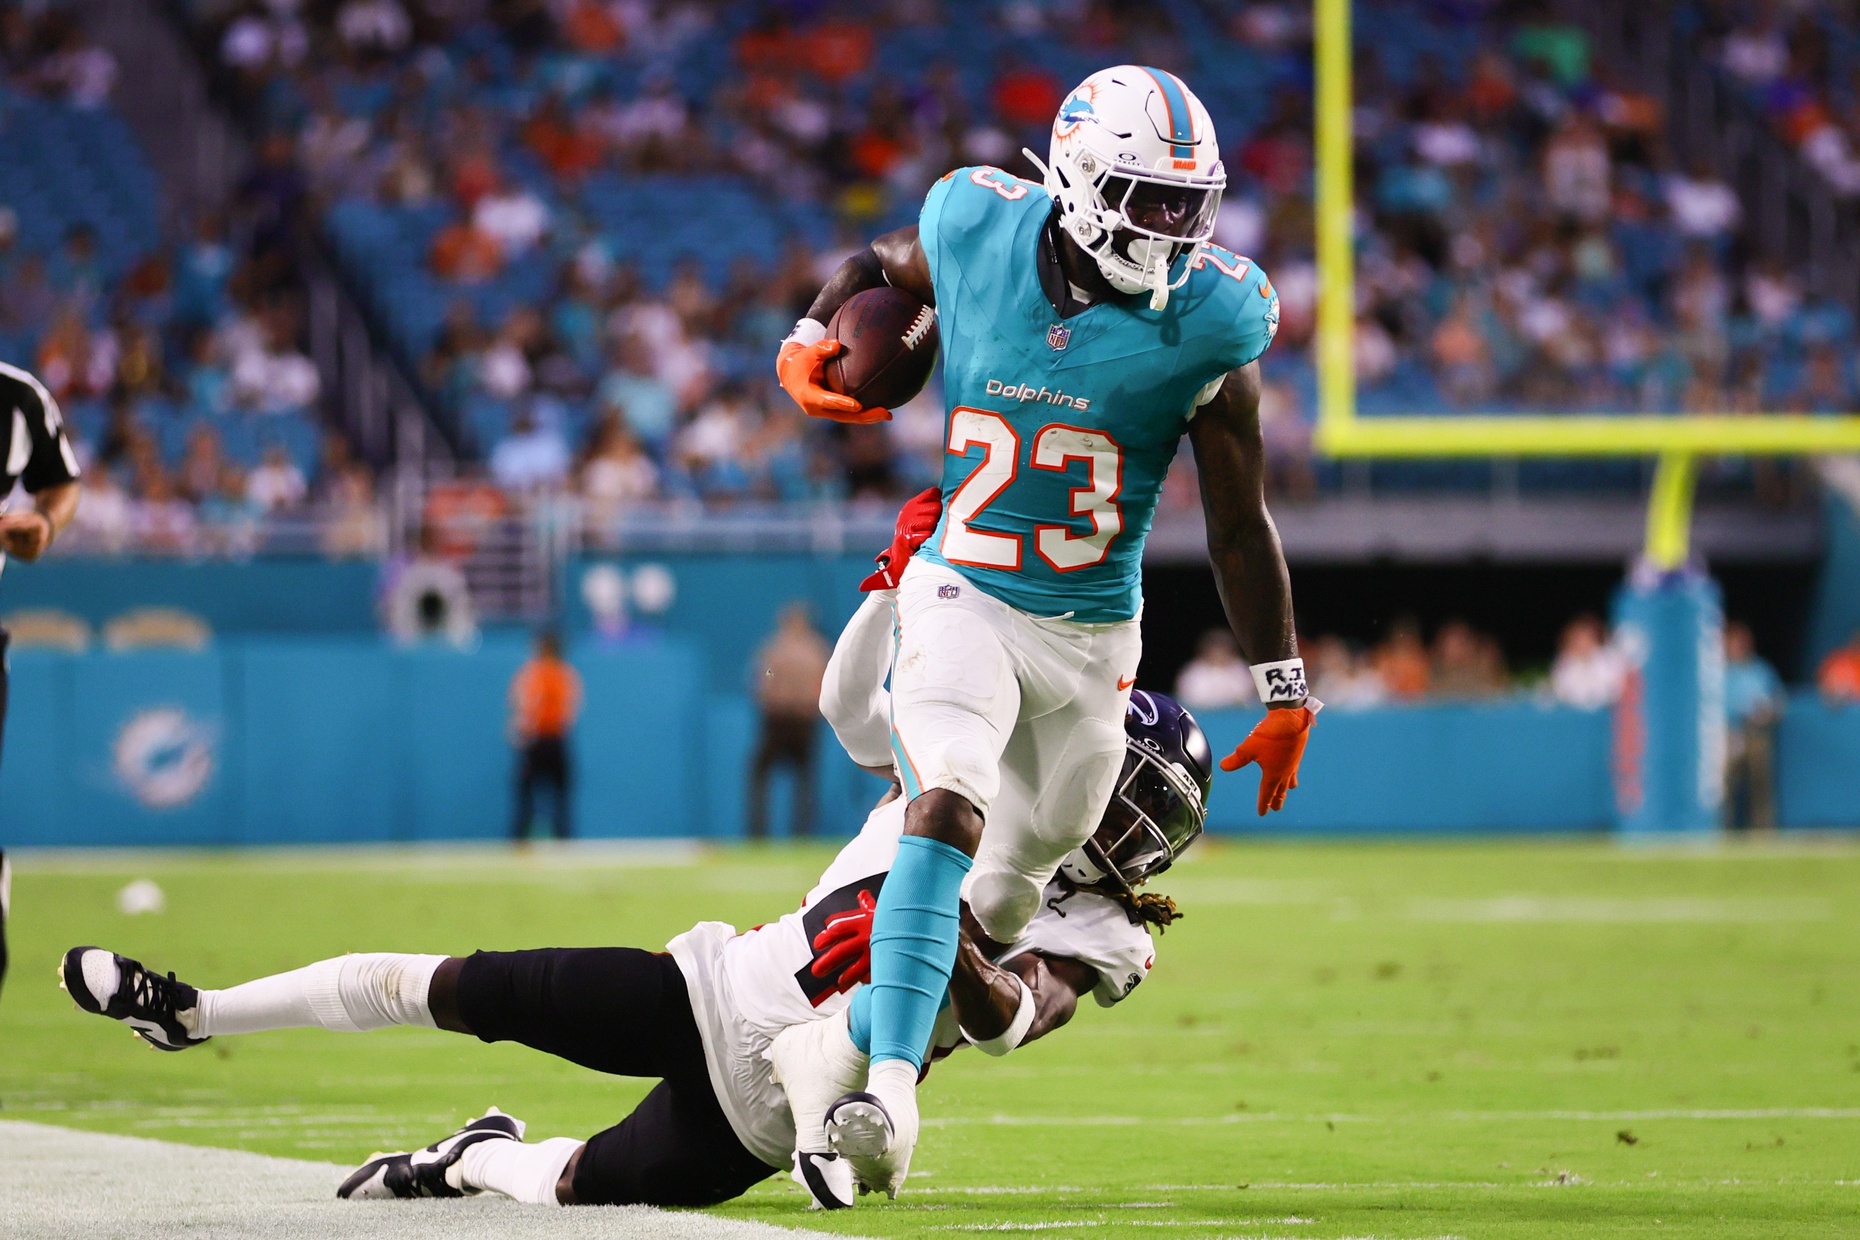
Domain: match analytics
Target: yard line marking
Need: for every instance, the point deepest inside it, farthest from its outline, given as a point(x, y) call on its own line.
point(1757, 1113)
point(1530, 908)
point(1060, 1224)
point(1243, 891)
point(1124, 1222)
point(1281, 1117)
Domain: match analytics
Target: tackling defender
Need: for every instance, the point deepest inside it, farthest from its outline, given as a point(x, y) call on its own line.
point(708, 1016)
point(725, 1018)
point(1087, 326)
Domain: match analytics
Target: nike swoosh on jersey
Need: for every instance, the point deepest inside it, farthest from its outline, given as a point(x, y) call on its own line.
point(1125, 684)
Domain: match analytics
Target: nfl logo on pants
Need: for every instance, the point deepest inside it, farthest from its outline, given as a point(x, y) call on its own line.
point(949, 591)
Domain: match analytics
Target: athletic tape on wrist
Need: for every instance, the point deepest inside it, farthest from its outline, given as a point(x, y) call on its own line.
point(1283, 681)
point(807, 331)
point(1010, 1037)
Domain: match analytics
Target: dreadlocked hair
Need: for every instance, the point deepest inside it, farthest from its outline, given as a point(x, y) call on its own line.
point(1144, 908)
point(1148, 908)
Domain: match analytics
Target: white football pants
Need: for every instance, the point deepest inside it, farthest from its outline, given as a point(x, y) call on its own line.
point(1021, 716)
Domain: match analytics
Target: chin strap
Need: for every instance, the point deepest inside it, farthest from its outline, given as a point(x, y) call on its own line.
point(1046, 174)
point(1159, 285)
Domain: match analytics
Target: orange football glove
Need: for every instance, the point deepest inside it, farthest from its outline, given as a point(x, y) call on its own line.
point(1277, 742)
point(799, 368)
point(916, 522)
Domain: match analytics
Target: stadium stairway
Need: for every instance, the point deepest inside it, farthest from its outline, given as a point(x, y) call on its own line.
point(163, 98)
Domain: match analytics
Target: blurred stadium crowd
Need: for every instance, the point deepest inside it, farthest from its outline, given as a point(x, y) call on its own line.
point(1463, 664)
point(178, 362)
point(1799, 62)
point(583, 224)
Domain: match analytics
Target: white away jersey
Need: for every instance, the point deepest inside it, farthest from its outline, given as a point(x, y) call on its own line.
point(746, 988)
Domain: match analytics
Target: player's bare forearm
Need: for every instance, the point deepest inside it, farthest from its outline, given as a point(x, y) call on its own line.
point(26, 535)
point(1243, 544)
point(987, 995)
point(58, 504)
point(895, 259)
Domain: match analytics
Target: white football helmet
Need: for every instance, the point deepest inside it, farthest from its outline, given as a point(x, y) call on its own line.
point(1137, 174)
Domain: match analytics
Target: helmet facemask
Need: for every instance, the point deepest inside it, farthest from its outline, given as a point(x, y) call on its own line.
point(1142, 227)
point(1148, 226)
point(1156, 811)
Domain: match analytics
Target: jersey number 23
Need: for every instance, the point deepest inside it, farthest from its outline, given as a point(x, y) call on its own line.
point(1055, 446)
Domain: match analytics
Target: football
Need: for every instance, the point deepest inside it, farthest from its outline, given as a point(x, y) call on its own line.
point(889, 344)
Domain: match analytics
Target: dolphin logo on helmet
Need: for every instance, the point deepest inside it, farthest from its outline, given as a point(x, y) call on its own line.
point(1076, 110)
point(1136, 171)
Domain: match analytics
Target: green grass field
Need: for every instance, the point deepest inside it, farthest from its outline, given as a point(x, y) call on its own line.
point(1390, 1040)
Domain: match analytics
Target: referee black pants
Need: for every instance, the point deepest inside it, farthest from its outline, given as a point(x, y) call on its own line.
point(6, 877)
point(626, 1012)
point(543, 762)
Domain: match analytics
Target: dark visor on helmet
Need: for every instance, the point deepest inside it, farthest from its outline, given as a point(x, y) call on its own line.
point(1185, 212)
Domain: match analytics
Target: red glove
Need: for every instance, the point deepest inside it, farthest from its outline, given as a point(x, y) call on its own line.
point(800, 369)
point(1277, 742)
point(845, 945)
point(916, 522)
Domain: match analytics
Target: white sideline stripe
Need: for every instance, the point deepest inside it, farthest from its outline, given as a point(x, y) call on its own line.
point(61, 1184)
point(1278, 1117)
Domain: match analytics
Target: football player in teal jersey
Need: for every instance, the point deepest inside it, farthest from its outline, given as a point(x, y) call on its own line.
point(1087, 326)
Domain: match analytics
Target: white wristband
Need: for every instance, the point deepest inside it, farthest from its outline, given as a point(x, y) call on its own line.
point(1010, 1037)
point(807, 331)
point(1283, 681)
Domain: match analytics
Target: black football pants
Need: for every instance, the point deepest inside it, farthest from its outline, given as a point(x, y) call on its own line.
point(5, 894)
point(626, 1012)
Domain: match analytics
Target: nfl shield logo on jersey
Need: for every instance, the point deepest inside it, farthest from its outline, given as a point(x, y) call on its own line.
point(1058, 336)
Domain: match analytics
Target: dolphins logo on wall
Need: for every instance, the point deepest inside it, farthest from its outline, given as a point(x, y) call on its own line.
point(163, 756)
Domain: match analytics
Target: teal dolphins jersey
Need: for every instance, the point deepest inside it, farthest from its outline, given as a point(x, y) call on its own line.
point(1059, 431)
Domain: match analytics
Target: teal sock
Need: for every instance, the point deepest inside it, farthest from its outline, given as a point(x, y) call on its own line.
point(914, 935)
point(859, 1019)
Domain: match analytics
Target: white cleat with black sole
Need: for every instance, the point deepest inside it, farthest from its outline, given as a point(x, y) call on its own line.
point(827, 1180)
point(122, 989)
point(816, 1063)
point(432, 1172)
point(875, 1129)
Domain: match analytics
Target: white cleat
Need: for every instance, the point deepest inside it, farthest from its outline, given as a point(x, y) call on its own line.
point(876, 1129)
point(828, 1179)
point(815, 1064)
point(154, 1007)
point(433, 1171)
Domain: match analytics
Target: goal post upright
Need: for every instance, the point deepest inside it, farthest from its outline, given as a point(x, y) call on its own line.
point(1336, 210)
point(1669, 727)
point(1341, 432)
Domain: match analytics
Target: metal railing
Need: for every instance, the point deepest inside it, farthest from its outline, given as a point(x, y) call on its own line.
point(182, 533)
point(365, 391)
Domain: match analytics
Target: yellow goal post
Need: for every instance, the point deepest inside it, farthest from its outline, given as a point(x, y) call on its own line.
point(1675, 440)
